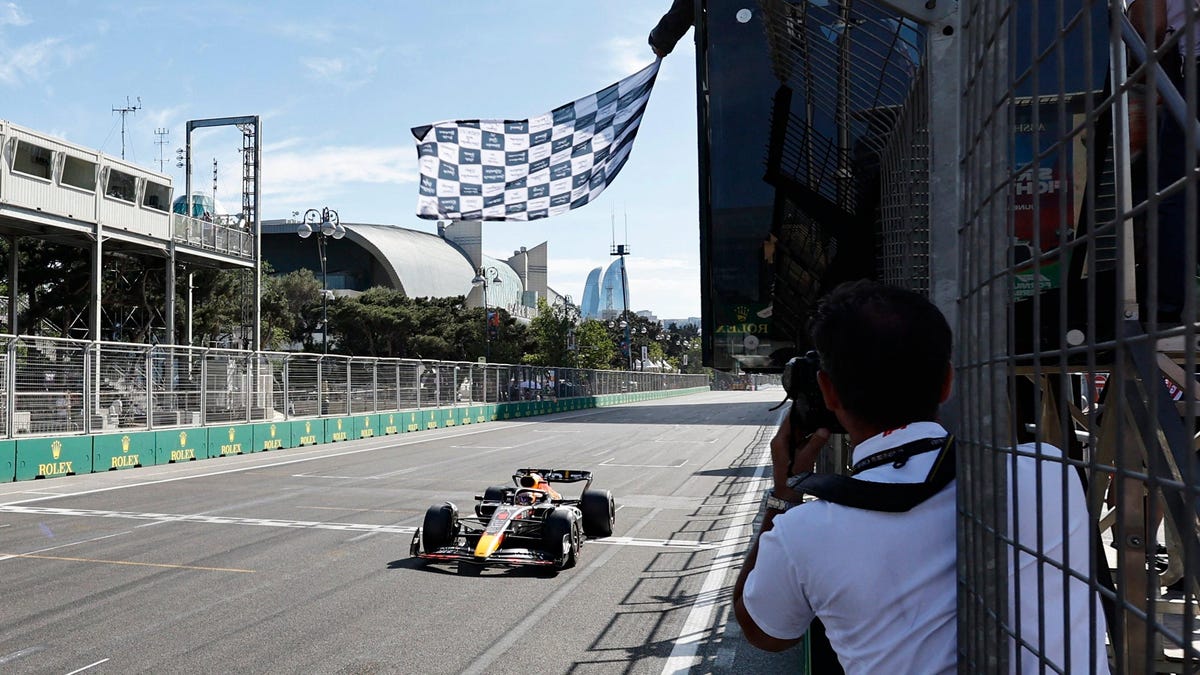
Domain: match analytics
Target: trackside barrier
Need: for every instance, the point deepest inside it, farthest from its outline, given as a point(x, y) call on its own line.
point(52, 457)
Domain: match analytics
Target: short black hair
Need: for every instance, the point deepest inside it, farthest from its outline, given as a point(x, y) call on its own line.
point(886, 350)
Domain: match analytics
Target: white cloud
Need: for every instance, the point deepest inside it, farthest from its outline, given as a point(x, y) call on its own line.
point(11, 15)
point(34, 61)
point(627, 56)
point(294, 177)
point(353, 69)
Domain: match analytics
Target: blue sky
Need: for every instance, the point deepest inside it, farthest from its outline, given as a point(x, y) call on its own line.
point(338, 86)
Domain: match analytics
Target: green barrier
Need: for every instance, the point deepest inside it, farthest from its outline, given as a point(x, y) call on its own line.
point(50, 457)
point(180, 445)
point(308, 432)
point(272, 436)
point(412, 421)
point(123, 451)
point(391, 423)
point(366, 426)
point(234, 440)
point(338, 429)
point(432, 419)
point(449, 417)
point(464, 415)
point(480, 414)
point(8, 461)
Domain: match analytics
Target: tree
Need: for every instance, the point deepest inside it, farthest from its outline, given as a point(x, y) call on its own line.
point(295, 298)
point(549, 331)
point(594, 346)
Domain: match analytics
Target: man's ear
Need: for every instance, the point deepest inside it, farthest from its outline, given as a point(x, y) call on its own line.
point(828, 391)
point(948, 383)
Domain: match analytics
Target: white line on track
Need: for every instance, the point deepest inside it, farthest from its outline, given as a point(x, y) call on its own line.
point(67, 545)
point(21, 653)
point(365, 528)
point(90, 665)
point(700, 617)
point(609, 462)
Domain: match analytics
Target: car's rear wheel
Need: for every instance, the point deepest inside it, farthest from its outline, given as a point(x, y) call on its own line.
point(559, 537)
point(440, 526)
point(599, 513)
point(494, 493)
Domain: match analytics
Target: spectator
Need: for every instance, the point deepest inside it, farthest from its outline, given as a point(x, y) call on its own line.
point(884, 583)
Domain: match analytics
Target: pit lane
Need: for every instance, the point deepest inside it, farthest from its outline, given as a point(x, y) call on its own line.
point(297, 560)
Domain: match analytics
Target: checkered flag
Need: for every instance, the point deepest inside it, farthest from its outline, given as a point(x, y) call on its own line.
point(533, 168)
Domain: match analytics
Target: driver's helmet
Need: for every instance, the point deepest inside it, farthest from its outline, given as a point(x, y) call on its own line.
point(526, 498)
point(535, 481)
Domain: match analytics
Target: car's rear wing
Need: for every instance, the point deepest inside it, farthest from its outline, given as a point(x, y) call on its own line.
point(557, 475)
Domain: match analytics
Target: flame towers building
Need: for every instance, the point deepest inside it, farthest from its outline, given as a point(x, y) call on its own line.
point(613, 293)
point(590, 307)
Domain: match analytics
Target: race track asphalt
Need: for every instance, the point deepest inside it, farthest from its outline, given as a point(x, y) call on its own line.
point(297, 561)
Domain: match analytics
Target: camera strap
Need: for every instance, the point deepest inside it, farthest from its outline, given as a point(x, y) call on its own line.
point(888, 497)
point(899, 455)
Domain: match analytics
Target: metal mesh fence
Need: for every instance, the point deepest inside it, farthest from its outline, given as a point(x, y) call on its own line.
point(57, 386)
point(1077, 334)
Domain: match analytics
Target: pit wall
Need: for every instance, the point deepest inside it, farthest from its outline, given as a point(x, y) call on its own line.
point(54, 456)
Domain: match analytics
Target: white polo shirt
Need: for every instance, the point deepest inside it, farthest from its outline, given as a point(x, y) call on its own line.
point(882, 583)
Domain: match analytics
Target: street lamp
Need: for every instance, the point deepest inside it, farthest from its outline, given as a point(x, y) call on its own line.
point(484, 276)
point(327, 224)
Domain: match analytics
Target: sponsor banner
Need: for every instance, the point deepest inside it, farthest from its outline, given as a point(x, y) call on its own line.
point(224, 441)
point(392, 423)
point(432, 419)
point(413, 421)
point(367, 426)
point(53, 457)
point(124, 451)
point(272, 436)
point(181, 445)
point(338, 429)
point(307, 432)
point(8, 461)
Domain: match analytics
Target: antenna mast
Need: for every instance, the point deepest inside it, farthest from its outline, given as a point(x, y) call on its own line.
point(128, 108)
point(162, 133)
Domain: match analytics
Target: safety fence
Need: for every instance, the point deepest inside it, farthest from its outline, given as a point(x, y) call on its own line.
point(54, 386)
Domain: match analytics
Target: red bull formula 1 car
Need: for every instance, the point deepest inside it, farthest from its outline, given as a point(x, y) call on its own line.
point(528, 523)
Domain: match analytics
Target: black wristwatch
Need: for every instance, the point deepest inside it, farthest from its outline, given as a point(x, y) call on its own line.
point(777, 503)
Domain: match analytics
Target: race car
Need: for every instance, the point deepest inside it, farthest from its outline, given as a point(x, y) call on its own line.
point(528, 523)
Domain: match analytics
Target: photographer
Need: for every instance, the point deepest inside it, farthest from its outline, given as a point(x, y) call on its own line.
point(882, 579)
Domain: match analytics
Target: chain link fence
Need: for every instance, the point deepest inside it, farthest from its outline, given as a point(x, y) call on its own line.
point(57, 386)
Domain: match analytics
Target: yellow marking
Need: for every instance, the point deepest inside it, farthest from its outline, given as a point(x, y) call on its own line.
point(126, 562)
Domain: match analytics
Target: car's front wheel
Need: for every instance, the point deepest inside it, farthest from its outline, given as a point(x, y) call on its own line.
point(440, 526)
point(559, 536)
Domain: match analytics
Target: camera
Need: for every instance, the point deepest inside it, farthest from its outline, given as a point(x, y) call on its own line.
point(808, 405)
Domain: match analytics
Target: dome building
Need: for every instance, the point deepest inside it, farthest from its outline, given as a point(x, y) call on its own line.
point(418, 264)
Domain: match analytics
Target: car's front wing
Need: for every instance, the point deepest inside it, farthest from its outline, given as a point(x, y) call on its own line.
point(505, 556)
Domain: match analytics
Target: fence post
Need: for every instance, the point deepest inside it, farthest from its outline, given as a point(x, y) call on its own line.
point(204, 386)
point(148, 377)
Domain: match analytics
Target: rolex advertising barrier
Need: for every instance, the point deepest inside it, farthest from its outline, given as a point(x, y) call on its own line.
point(73, 407)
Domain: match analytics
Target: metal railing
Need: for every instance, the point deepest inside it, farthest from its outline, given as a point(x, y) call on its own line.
point(218, 235)
point(58, 386)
